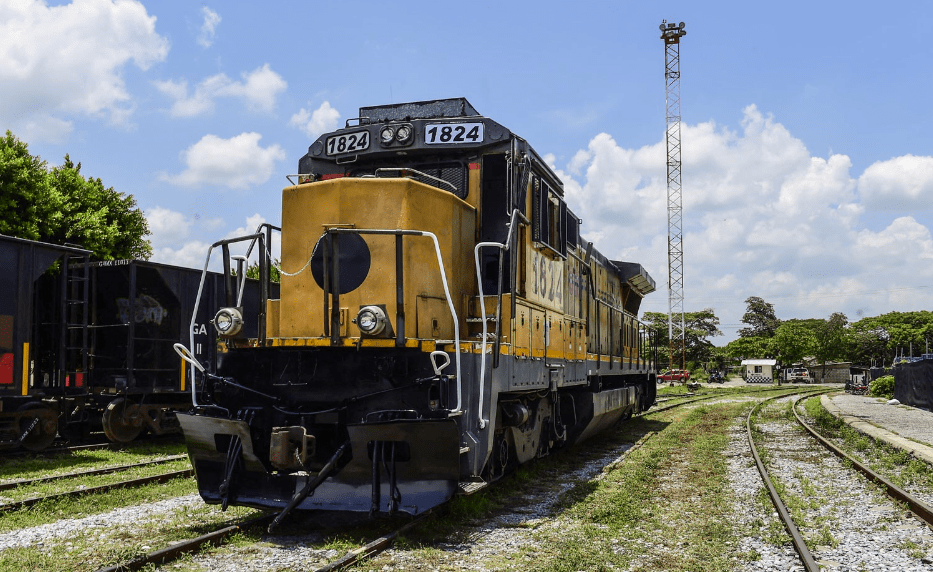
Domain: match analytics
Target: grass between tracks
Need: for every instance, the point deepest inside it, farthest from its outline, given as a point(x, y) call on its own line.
point(45, 465)
point(813, 508)
point(89, 547)
point(93, 546)
point(894, 464)
point(667, 506)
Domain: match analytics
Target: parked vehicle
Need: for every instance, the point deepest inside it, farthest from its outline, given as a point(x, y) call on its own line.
point(799, 375)
point(675, 375)
point(716, 377)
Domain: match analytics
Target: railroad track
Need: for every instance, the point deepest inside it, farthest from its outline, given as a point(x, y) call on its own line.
point(176, 550)
point(218, 537)
point(138, 482)
point(897, 495)
point(60, 448)
point(789, 390)
point(352, 557)
point(88, 473)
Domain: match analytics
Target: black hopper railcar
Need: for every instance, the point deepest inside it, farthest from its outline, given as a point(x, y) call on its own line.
point(43, 340)
point(440, 321)
point(88, 346)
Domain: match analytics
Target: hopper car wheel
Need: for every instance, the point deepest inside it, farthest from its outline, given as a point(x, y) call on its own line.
point(122, 421)
point(43, 432)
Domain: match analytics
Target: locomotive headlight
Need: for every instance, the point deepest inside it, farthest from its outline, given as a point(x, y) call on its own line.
point(228, 321)
point(403, 135)
point(371, 320)
point(387, 134)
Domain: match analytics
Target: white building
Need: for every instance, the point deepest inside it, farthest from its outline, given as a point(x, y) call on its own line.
point(759, 370)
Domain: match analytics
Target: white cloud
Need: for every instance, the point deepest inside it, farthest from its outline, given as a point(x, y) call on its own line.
point(64, 61)
point(762, 217)
point(898, 184)
point(172, 242)
point(209, 27)
point(323, 119)
point(259, 90)
point(171, 228)
point(237, 163)
point(167, 226)
point(190, 255)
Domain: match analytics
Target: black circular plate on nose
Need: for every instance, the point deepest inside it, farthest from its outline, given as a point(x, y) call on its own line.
point(353, 261)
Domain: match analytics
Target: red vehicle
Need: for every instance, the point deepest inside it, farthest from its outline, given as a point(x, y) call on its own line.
point(675, 375)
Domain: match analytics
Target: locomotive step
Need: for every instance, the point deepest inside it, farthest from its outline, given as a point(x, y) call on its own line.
point(470, 487)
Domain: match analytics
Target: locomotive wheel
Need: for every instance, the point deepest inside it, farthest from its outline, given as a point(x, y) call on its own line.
point(122, 421)
point(43, 432)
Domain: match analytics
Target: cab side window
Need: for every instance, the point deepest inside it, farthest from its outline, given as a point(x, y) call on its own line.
point(549, 217)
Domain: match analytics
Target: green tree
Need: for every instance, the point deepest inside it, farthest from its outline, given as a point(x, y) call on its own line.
point(882, 337)
point(274, 274)
point(699, 326)
point(719, 359)
point(792, 341)
point(759, 315)
point(29, 205)
point(868, 345)
point(829, 339)
point(60, 206)
point(751, 347)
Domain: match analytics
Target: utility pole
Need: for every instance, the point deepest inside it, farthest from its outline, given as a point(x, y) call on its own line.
point(676, 329)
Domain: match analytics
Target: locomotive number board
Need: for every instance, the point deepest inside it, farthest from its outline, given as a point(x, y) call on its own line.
point(453, 133)
point(347, 143)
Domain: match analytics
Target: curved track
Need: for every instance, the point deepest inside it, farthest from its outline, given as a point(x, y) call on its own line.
point(920, 509)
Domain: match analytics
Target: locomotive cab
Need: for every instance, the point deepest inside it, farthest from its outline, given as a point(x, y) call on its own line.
point(440, 320)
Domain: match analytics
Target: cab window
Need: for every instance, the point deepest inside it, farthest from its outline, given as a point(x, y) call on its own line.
point(549, 217)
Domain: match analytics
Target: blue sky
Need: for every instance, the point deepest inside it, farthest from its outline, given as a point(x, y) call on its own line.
point(807, 160)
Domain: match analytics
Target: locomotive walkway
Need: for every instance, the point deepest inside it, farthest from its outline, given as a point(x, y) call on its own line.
point(900, 426)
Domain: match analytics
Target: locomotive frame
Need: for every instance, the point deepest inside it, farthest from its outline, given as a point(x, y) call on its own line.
point(441, 320)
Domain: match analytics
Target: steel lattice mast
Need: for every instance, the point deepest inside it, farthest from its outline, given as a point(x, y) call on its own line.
point(671, 34)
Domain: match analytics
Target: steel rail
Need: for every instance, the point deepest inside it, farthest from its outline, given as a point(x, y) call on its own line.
point(165, 477)
point(672, 406)
point(374, 547)
point(166, 555)
point(923, 511)
point(800, 544)
point(57, 448)
point(89, 473)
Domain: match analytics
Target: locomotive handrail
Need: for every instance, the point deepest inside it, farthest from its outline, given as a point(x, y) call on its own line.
point(503, 247)
point(419, 173)
point(197, 301)
point(443, 272)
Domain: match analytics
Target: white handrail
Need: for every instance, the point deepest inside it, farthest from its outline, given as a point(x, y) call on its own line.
point(440, 263)
point(504, 247)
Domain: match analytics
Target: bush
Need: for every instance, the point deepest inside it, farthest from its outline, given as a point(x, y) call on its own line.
point(882, 387)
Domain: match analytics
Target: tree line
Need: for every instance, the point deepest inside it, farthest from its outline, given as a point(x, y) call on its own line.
point(61, 206)
point(870, 341)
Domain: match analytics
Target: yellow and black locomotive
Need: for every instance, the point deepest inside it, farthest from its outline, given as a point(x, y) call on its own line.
point(440, 321)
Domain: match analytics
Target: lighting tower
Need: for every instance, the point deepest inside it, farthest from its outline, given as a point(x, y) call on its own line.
point(671, 34)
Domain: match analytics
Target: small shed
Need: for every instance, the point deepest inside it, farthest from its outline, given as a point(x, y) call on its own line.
point(759, 370)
